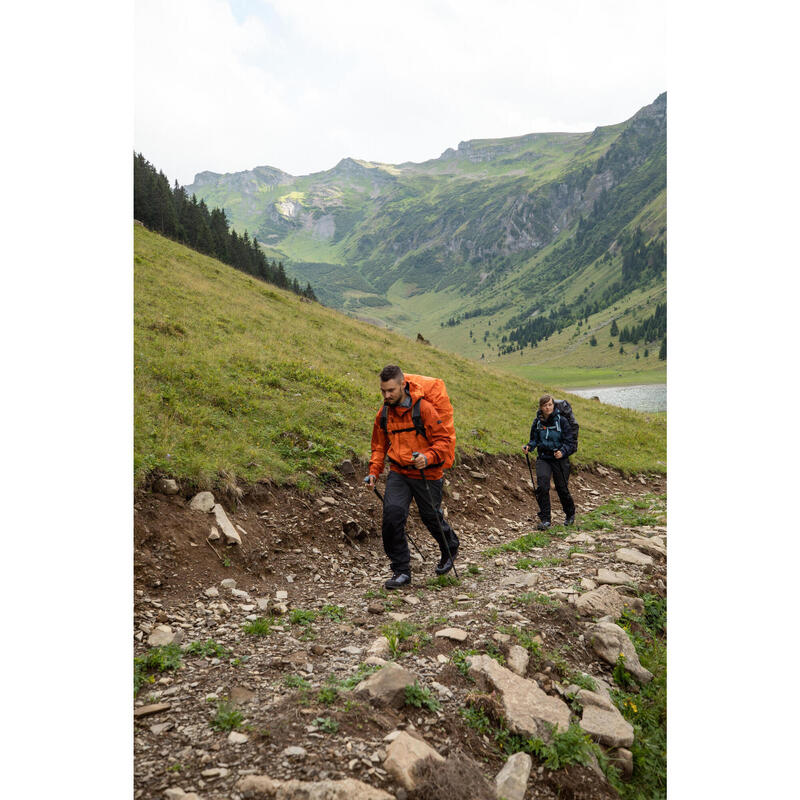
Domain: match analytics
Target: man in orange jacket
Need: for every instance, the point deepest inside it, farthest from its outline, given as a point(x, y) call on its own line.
point(409, 452)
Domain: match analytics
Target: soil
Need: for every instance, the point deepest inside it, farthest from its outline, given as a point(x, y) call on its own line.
point(295, 542)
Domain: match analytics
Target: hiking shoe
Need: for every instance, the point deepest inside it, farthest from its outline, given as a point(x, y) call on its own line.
point(570, 520)
point(398, 581)
point(446, 563)
point(543, 525)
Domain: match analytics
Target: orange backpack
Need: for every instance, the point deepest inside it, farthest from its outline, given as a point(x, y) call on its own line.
point(435, 392)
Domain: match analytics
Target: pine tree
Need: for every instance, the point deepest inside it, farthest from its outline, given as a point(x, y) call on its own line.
point(614, 328)
point(593, 341)
point(662, 353)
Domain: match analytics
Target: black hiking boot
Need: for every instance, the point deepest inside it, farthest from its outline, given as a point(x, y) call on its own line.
point(446, 563)
point(398, 581)
point(543, 525)
point(570, 520)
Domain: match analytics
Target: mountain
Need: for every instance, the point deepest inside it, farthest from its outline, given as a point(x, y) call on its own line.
point(525, 236)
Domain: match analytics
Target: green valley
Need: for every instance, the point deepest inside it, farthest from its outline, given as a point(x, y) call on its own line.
point(519, 252)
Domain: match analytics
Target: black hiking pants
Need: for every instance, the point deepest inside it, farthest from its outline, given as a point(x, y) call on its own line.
point(559, 469)
point(396, 503)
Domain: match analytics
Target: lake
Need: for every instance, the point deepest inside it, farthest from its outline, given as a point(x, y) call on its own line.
point(643, 397)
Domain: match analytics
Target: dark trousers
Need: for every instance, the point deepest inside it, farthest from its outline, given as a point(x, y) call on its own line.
point(559, 469)
point(397, 501)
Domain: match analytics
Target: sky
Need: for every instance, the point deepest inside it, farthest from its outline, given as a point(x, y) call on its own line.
point(227, 85)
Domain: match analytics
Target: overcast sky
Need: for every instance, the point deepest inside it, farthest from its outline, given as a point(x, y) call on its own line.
point(227, 85)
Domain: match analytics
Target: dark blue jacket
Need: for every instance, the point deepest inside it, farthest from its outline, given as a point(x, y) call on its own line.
point(551, 434)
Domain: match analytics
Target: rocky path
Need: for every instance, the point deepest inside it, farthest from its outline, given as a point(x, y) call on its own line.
point(292, 663)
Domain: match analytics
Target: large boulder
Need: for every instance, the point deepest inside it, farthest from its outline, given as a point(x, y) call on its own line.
point(202, 501)
point(602, 720)
point(404, 755)
point(512, 781)
point(601, 602)
point(527, 709)
point(610, 641)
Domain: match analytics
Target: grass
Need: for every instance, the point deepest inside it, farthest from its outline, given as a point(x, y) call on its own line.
point(232, 375)
point(325, 724)
point(258, 627)
point(156, 659)
point(522, 544)
point(536, 597)
point(650, 509)
point(208, 649)
point(442, 582)
point(227, 718)
point(300, 616)
point(420, 697)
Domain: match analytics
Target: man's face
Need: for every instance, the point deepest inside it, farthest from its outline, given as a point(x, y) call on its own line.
point(392, 392)
point(547, 408)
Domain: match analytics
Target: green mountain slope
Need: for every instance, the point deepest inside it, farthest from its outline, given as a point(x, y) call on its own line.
point(236, 378)
point(501, 229)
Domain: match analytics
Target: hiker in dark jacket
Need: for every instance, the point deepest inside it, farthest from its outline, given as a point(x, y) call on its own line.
point(553, 436)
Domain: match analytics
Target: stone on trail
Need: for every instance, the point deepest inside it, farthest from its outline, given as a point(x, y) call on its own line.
point(604, 601)
point(241, 695)
point(630, 556)
point(527, 709)
point(376, 608)
point(512, 781)
point(518, 658)
point(166, 486)
point(609, 641)
point(654, 546)
point(163, 635)
point(228, 583)
point(176, 793)
point(154, 708)
point(228, 531)
point(387, 686)
point(456, 634)
point(526, 579)
point(380, 647)
point(344, 789)
point(281, 594)
point(214, 535)
point(212, 591)
point(234, 737)
point(347, 468)
point(294, 751)
point(588, 584)
point(612, 578)
point(603, 721)
point(404, 754)
point(202, 501)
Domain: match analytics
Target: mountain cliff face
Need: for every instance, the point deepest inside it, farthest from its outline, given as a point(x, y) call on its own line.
point(491, 216)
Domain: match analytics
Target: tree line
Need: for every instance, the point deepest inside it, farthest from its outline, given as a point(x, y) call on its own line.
point(171, 212)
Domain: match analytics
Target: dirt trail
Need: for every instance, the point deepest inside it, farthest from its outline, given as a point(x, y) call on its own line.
point(295, 544)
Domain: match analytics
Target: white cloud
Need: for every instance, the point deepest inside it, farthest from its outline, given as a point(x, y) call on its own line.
point(300, 84)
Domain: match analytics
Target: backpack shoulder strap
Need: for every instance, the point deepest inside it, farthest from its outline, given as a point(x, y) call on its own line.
point(384, 413)
point(416, 418)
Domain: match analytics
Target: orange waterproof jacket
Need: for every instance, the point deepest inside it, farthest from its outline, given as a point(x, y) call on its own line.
point(399, 447)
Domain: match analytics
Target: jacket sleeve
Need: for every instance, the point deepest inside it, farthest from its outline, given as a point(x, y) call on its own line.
point(438, 438)
point(568, 443)
point(379, 445)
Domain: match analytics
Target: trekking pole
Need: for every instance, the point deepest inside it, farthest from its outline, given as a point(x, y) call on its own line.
point(533, 482)
point(438, 519)
point(375, 489)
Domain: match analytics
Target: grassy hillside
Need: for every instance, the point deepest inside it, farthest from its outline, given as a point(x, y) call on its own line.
point(235, 377)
